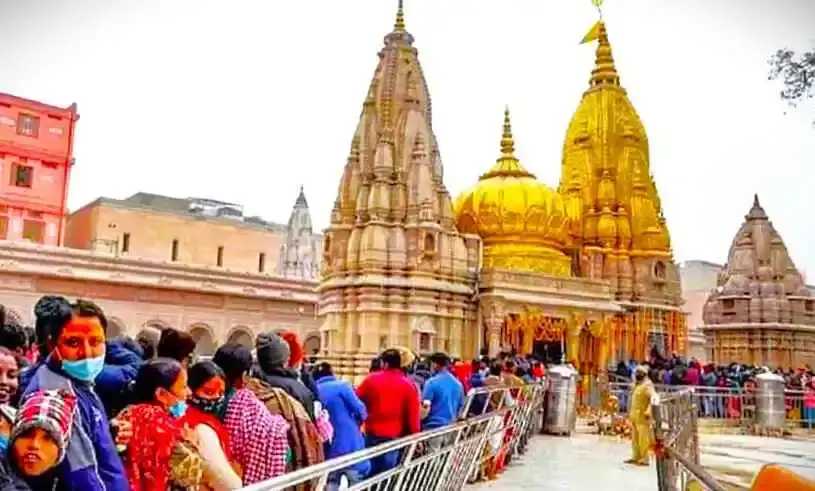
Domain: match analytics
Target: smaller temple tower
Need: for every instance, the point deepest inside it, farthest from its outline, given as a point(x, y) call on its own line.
point(761, 312)
point(299, 253)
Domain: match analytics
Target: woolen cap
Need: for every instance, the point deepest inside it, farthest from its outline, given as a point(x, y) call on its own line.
point(272, 349)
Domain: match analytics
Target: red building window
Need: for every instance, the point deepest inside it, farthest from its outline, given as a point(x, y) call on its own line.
point(22, 176)
point(28, 125)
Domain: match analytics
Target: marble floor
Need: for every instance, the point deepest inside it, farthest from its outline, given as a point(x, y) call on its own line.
point(592, 462)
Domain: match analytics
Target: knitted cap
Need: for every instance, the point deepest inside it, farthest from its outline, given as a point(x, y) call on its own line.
point(272, 349)
point(51, 410)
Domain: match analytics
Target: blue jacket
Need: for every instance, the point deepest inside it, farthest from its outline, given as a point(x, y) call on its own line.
point(92, 462)
point(446, 396)
point(346, 412)
point(112, 384)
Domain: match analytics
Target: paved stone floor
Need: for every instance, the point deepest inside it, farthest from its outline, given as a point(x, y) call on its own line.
point(590, 462)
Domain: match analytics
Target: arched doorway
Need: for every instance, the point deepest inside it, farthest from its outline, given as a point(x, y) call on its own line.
point(204, 340)
point(242, 336)
point(312, 344)
point(116, 328)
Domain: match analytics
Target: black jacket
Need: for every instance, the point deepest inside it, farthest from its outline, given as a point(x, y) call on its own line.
point(9, 481)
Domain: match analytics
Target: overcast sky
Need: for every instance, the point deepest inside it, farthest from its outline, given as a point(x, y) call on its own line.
point(245, 100)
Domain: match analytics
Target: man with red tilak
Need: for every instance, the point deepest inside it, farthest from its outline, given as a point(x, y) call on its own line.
point(74, 341)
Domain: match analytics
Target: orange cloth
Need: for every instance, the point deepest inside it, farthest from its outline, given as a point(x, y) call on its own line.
point(297, 354)
point(773, 477)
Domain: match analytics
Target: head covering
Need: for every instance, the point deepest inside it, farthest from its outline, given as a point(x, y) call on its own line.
point(296, 353)
point(51, 410)
point(406, 356)
point(9, 413)
point(272, 349)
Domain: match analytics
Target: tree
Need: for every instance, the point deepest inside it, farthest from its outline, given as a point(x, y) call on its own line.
point(796, 72)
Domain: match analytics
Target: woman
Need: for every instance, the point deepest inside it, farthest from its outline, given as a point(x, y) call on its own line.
point(38, 441)
point(205, 414)
point(258, 439)
point(9, 376)
point(809, 404)
point(158, 456)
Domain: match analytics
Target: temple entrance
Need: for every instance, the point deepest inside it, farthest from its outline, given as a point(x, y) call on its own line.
point(548, 352)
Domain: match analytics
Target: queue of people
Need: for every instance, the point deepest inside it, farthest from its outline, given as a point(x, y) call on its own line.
point(724, 390)
point(79, 411)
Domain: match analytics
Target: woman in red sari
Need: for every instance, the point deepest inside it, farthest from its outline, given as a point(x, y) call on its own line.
point(205, 416)
point(152, 453)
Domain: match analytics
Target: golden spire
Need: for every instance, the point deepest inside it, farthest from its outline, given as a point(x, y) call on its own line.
point(399, 25)
point(507, 164)
point(604, 73)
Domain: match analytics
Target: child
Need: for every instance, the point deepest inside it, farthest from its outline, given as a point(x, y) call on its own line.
point(39, 439)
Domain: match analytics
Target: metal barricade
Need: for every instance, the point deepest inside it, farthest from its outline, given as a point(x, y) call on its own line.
point(676, 443)
point(444, 459)
point(732, 406)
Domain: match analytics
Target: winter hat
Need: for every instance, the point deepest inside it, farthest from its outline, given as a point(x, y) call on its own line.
point(51, 410)
point(272, 350)
point(296, 353)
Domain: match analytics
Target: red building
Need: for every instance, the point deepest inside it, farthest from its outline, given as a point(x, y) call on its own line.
point(36, 146)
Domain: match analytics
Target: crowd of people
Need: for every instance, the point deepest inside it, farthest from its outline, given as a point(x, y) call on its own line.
point(79, 411)
point(725, 390)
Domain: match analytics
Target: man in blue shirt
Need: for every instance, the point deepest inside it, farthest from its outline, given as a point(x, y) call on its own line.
point(443, 392)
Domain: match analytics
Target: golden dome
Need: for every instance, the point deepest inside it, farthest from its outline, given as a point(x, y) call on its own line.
point(521, 220)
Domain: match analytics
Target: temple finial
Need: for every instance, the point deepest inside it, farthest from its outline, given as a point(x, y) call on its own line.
point(756, 204)
point(604, 73)
point(507, 141)
point(399, 25)
point(507, 164)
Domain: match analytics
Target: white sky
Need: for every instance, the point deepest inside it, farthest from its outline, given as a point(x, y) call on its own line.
point(245, 100)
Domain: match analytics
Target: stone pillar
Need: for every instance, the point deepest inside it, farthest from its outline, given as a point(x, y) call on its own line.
point(493, 316)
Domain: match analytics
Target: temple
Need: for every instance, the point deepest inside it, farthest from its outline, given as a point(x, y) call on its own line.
point(583, 273)
point(300, 251)
point(761, 312)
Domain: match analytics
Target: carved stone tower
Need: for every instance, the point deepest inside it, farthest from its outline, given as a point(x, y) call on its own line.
point(762, 311)
point(395, 269)
point(299, 254)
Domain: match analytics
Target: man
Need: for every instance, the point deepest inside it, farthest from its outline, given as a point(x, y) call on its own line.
point(73, 338)
point(639, 413)
point(392, 400)
point(444, 392)
point(274, 355)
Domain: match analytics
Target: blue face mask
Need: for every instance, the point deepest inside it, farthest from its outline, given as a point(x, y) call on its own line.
point(178, 410)
point(85, 370)
point(3, 443)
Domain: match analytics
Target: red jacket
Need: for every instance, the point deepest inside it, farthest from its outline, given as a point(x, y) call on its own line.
point(392, 401)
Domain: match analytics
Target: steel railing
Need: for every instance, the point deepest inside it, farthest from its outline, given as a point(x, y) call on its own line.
point(495, 423)
point(735, 406)
point(676, 443)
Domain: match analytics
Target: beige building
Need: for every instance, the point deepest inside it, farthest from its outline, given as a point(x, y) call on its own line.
point(212, 304)
point(761, 311)
point(201, 232)
point(198, 265)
